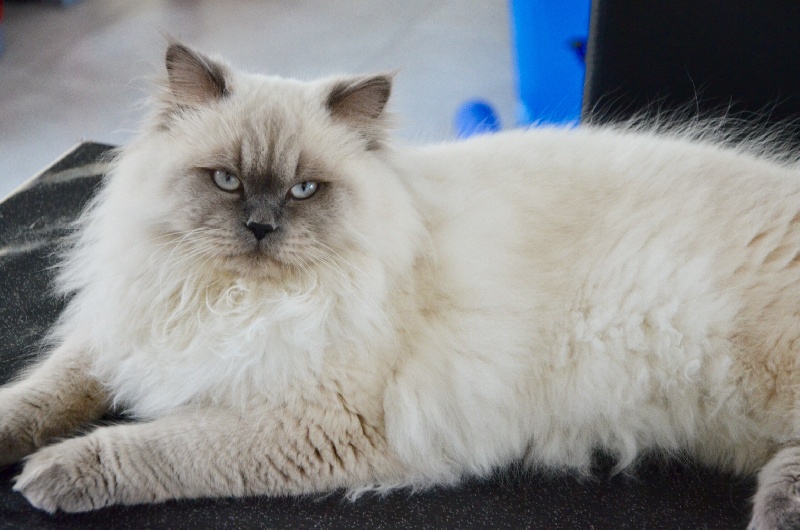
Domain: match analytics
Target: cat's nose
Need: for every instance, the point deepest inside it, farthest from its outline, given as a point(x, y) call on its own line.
point(260, 230)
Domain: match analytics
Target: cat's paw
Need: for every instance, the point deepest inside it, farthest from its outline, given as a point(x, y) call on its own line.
point(67, 476)
point(16, 427)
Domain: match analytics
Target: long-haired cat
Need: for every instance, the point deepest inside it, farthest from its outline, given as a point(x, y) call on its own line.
point(289, 304)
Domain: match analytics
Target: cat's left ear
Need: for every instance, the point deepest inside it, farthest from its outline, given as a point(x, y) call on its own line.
point(360, 103)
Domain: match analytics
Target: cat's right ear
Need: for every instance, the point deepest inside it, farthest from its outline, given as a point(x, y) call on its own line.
point(360, 102)
point(194, 80)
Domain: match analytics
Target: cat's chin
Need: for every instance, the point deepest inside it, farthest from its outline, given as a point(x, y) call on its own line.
point(257, 266)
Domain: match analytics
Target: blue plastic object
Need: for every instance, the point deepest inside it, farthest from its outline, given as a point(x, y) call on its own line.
point(476, 117)
point(550, 42)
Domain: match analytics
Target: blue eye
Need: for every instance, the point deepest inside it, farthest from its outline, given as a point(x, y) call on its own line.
point(304, 190)
point(226, 181)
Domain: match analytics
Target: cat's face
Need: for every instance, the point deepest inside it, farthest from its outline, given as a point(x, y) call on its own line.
point(264, 172)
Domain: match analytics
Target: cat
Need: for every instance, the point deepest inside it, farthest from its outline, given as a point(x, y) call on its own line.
point(287, 302)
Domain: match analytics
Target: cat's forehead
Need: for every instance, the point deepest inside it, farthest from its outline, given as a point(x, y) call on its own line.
point(267, 147)
point(271, 114)
point(257, 137)
point(266, 131)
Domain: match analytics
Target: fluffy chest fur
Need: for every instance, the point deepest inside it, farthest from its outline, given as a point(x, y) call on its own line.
point(193, 338)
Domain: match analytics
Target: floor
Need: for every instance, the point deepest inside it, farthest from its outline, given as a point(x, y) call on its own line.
point(82, 72)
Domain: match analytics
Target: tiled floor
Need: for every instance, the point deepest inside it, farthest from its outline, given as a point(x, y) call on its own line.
point(81, 72)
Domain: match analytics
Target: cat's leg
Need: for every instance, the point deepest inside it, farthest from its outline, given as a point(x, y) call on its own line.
point(777, 501)
point(209, 453)
point(56, 397)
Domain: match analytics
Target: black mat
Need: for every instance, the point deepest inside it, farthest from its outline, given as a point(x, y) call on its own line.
point(706, 57)
point(656, 496)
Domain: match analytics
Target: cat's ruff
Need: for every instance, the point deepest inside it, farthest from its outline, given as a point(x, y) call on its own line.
point(413, 315)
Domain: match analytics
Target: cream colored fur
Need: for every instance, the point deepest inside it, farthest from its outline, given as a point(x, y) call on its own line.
point(530, 295)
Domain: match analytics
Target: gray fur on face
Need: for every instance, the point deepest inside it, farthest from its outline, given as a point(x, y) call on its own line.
point(260, 142)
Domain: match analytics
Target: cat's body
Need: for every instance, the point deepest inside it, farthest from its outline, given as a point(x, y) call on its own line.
point(410, 316)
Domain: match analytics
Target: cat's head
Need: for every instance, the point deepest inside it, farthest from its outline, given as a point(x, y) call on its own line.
point(255, 174)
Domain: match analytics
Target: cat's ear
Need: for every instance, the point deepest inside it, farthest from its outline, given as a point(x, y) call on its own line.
point(360, 103)
point(193, 79)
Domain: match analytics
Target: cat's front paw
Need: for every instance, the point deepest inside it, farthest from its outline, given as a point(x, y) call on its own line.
point(17, 430)
point(67, 476)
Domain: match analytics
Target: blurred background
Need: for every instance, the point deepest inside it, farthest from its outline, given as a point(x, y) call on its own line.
point(81, 71)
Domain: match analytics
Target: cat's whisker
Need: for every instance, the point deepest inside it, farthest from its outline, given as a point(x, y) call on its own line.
point(332, 251)
point(190, 238)
point(178, 246)
point(298, 263)
point(347, 281)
